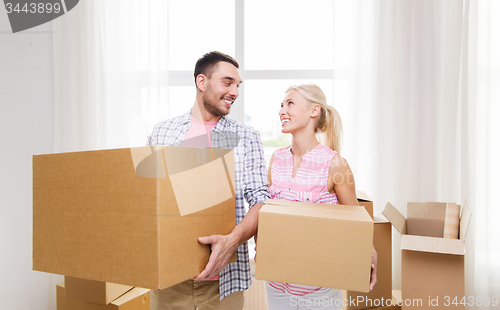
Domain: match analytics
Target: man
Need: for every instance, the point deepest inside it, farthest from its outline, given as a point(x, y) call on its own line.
point(219, 286)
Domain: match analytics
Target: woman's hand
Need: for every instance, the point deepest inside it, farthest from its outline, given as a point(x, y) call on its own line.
point(373, 278)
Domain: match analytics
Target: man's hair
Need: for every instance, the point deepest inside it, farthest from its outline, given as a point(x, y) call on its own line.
point(206, 64)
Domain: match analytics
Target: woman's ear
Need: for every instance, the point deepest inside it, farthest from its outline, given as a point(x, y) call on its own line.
point(316, 110)
point(200, 82)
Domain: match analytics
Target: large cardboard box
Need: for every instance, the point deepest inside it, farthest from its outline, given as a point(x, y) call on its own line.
point(315, 244)
point(432, 268)
point(135, 299)
point(382, 241)
point(93, 291)
point(365, 201)
point(131, 216)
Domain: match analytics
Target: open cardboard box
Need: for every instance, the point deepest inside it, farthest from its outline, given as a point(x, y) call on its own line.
point(131, 216)
point(431, 267)
point(314, 244)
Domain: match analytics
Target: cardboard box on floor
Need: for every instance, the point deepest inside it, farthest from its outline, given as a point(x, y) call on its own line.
point(431, 267)
point(382, 241)
point(135, 299)
point(96, 292)
point(365, 201)
point(314, 244)
point(131, 216)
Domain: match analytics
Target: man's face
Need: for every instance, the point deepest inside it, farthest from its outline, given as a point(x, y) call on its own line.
point(221, 89)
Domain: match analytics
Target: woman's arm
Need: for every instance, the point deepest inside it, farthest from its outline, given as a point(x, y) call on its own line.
point(341, 182)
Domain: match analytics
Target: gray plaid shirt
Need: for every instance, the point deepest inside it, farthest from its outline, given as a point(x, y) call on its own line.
point(250, 178)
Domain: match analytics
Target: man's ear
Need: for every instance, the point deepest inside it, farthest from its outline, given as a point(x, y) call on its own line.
point(201, 80)
point(316, 110)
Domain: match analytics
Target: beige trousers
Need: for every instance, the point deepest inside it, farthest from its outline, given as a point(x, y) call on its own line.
point(195, 295)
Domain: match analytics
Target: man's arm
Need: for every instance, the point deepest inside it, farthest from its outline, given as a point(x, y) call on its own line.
point(224, 246)
point(255, 176)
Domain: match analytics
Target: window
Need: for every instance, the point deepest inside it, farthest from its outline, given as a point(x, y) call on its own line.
point(275, 51)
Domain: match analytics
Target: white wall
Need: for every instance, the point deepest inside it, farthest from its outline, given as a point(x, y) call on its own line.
point(26, 112)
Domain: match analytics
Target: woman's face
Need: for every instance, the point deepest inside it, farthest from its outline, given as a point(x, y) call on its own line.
point(295, 113)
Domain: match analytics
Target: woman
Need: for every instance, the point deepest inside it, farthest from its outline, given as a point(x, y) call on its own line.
point(310, 171)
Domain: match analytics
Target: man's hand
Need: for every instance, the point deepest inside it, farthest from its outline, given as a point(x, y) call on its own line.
point(373, 278)
point(222, 249)
point(223, 246)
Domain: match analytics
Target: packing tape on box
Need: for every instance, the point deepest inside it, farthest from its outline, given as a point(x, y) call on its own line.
point(452, 221)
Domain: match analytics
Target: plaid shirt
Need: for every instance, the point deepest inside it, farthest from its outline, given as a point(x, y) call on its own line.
point(250, 179)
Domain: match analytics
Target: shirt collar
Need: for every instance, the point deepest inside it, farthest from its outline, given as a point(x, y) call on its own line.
point(221, 124)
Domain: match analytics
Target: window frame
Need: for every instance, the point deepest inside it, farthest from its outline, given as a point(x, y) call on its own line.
point(185, 77)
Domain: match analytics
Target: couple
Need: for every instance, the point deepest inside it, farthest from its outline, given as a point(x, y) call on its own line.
point(303, 113)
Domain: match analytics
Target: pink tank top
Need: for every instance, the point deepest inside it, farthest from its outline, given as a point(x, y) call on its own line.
point(310, 184)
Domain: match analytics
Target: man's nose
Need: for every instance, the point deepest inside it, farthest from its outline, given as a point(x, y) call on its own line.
point(234, 91)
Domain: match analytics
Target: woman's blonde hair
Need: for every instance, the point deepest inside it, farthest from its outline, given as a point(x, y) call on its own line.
point(329, 123)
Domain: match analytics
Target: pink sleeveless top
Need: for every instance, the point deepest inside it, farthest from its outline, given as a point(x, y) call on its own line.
point(310, 184)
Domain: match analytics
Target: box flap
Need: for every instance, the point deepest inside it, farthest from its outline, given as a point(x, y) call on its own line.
point(378, 220)
point(326, 213)
point(464, 220)
point(132, 294)
point(148, 162)
point(299, 204)
point(395, 217)
point(362, 196)
point(432, 244)
point(304, 209)
point(201, 188)
point(426, 210)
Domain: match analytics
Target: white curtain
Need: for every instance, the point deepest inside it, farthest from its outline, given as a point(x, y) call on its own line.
point(484, 112)
point(421, 124)
point(111, 73)
point(110, 63)
point(421, 49)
